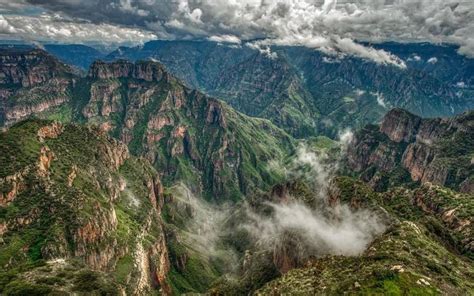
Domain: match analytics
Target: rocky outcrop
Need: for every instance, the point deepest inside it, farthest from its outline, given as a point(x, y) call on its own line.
point(45, 158)
point(85, 199)
point(15, 113)
point(36, 81)
point(457, 217)
point(215, 114)
point(400, 125)
point(29, 68)
point(148, 71)
point(13, 184)
point(428, 150)
point(50, 131)
point(104, 99)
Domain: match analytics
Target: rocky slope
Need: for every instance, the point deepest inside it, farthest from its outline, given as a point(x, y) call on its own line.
point(189, 136)
point(31, 81)
point(389, 266)
point(78, 214)
point(407, 148)
point(427, 247)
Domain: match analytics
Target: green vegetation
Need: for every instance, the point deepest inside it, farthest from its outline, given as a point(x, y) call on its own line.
point(398, 263)
point(83, 201)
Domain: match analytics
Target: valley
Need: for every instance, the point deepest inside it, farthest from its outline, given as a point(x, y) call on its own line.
point(193, 167)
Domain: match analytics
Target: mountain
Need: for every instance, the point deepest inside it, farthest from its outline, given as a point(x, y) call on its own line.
point(440, 61)
point(190, 136)
point(187, 134)
point(414, 174)
point(407, 148)
point(307, 92)
point(78, 214)
point(134, 183)
point(81, 56)
point(31, 81)
point(426, 248)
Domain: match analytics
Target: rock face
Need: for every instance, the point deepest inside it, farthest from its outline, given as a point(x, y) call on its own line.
point(191, 137)
point(31, 81)
point(28, 68)
point(400, 125)
point(427, 150)
point(85, 199)
point(125, 69)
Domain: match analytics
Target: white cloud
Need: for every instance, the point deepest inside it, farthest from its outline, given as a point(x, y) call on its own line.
point(53, 27)
point(5, 27)
point(330, 26)
point(415, 58)
point(380, 99)
point(126, 6)
point(321, 229)
point(432, 60)
point(339, 230)
point(225, 39)
point(263, 48)
point(359, 92)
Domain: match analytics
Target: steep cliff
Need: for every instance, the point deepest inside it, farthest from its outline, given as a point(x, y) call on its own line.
point(186, 134)
point(31, 81)
point(408, 148)
point(78, 213)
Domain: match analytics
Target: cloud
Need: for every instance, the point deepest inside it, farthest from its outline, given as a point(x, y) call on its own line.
point(415, 58)
point(345, 137)
point(287, 226)
point(47, 27)
point(5, 27)
point(263, 48)
point(318, 228)
point(432, 60)
point(330, 26)
point(337, 230)
point(380, 99)
point(225, 39)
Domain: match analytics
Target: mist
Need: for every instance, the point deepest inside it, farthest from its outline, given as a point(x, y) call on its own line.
point(203, 227)
point(338, 230)
point(315, 228)
point(287, 227)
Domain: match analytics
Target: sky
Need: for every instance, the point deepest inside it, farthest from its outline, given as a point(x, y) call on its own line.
point(331, 26)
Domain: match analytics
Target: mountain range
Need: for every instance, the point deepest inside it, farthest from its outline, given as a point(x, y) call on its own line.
point(195, 167)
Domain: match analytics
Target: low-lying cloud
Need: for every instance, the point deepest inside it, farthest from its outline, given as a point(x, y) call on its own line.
point(318, 228)
point(335, 230)
point(287, 226)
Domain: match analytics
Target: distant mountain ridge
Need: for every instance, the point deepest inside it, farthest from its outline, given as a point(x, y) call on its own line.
point(304, 91)
point(307, 85)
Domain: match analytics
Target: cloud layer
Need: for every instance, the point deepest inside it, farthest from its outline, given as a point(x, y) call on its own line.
point(330, 26)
